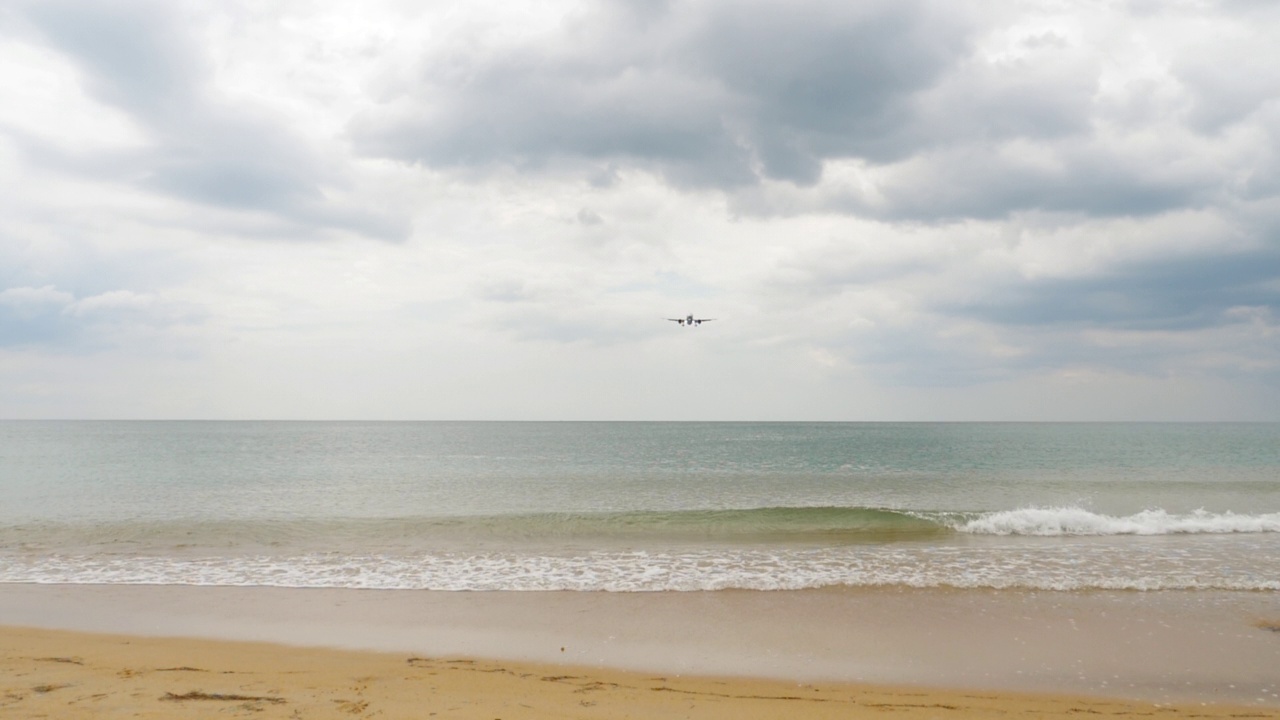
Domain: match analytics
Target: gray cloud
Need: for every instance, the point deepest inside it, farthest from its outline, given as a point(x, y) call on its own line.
point(942, 124)
point(1215, 314)
point(825, 80)
point(54, 319)
point(716, 98)
point(142, 58)
point(1183, 293)
point(728, 95)
point(33, 316)
point(587, 216)
point(983, 182)
point(994, 308)
point(134, 55)
point(912, 193)
point(941, 351)
point(1228, 74)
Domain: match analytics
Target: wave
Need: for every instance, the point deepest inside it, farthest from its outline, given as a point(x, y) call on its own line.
point(1054, 521)
point(825, 525)
point(780, 548)
point(836, 524)
point(758, 527)
point(770, 523)
point(1244, 564)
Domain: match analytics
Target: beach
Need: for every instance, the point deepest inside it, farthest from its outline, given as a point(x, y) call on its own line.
point(79, 675)
point(1129, 566)
point(342, 653)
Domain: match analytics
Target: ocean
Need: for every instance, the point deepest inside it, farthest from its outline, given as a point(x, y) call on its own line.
point(634, 507)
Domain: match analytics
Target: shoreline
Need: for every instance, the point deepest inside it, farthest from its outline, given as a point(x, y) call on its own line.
point(1165, 647)
point(78, 675)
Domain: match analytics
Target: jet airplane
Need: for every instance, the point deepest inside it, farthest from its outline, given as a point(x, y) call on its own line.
point(690, 321)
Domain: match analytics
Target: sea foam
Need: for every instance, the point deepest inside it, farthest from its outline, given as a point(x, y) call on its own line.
point(1240, 562)
point(1048, 521)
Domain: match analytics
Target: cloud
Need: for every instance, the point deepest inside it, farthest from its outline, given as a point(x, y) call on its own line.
point(1228, 73)
point(988, 182)
point(31, 299)
point(57, 321)
point(1171, 293)
point(705, 95)
point(995, 300)
point(33, 316)
point(891, 193)
point(942, 350)
point(587, 216)
point(145, 59)
point(953, 113)
point(112, 302)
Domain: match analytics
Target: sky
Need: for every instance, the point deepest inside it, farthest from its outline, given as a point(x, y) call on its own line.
point(416, 210)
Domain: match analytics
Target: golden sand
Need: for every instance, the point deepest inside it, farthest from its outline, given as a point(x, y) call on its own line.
point(58, 674)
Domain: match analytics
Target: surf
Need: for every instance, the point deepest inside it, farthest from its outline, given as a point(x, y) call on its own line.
point(1061, 521)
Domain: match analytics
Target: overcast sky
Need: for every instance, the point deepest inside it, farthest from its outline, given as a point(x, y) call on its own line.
point(894, 210)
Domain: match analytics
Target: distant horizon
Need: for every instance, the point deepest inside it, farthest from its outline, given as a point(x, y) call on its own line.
point(621, 421)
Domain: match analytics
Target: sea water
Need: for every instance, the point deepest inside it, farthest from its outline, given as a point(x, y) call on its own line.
point(641, 506)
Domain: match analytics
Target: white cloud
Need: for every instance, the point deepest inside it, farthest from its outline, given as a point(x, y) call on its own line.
point(113, 301)
point(29, 297)
point(43, 101)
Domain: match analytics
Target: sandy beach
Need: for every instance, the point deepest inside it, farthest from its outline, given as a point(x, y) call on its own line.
point(60, 674)
point(143, 651)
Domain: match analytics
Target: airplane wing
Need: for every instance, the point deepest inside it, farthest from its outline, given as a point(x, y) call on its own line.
point(679, 320)
point(703, 319)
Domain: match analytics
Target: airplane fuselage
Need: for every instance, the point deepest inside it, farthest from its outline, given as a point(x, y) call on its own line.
point(690, 321)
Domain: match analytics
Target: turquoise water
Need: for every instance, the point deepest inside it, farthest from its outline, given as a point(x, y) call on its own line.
point(642, 506)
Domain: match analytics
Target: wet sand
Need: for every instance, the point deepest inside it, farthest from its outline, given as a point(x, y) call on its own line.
point(856, 649)
point(47, 673)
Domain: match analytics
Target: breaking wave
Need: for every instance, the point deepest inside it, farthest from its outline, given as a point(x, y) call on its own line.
point(1050, 521)
point(1049, 548)
point(1248, 566)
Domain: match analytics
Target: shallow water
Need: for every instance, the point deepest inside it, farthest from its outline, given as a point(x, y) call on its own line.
point(642, 506)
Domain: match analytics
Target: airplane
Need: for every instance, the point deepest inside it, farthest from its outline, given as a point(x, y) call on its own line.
point(689, 321)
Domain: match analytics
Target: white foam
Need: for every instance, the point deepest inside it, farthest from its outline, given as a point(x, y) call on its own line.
point(1241, 563)
point(1049, 521)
